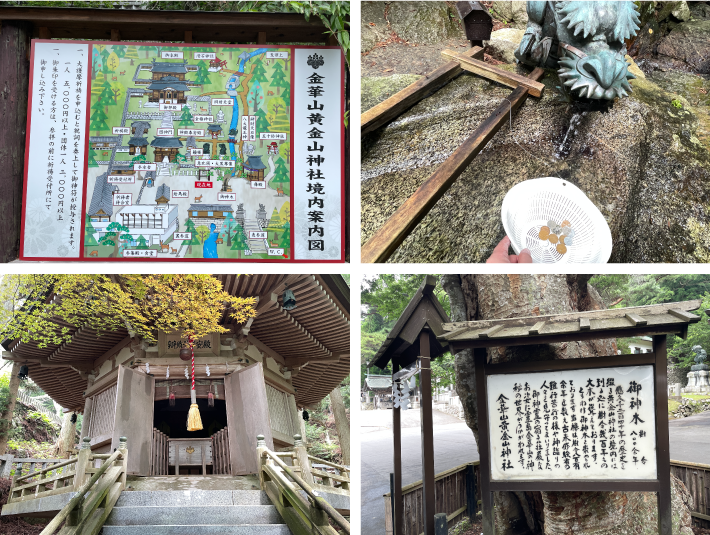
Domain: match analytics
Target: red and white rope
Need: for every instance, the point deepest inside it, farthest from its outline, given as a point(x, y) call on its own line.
point(192, 351)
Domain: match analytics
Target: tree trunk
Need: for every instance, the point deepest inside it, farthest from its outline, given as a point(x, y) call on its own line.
point(477, 297)
point(65, 442)
point(6, 417)
point(342, 424)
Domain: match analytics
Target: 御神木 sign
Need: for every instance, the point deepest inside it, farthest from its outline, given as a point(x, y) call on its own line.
point(573, 424)
point(168, 152)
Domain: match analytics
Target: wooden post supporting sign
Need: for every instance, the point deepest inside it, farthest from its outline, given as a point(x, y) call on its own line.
point(398, 505)
point(663, 457)
point(428, 475)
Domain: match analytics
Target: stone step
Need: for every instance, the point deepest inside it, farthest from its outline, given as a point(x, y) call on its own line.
point(251, 529)
point(203, 515)
point(166, 498)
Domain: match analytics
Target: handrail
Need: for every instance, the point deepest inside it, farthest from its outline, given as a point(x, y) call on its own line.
point(263, 452)
point(47, 469)
point(340, 467)
point(89, 506)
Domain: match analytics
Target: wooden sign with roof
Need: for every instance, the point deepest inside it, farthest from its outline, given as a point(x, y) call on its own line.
point(589, 424)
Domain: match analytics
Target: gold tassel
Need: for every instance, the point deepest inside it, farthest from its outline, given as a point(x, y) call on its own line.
point(194, 422)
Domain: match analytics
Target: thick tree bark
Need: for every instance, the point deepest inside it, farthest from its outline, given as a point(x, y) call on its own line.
point(6, 417)
point(65, 442)
point(475, 297)
point(342, 424)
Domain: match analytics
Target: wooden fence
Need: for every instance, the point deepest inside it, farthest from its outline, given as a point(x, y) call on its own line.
point(13, 466)
point(454, 486)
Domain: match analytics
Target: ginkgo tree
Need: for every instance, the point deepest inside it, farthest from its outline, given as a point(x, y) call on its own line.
point(144, 305)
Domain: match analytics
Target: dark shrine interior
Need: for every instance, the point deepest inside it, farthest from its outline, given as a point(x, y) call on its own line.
point(173, 420)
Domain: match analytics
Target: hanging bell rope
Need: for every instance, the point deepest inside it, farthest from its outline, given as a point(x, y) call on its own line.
point(194, 422)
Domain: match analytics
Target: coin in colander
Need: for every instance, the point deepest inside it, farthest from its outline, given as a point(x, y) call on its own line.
point(567, 240)
point(544, 233)
point(553, 238)
point(561, 248)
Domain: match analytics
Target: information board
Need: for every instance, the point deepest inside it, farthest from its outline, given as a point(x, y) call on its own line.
point(573, 424)
point(156, 151)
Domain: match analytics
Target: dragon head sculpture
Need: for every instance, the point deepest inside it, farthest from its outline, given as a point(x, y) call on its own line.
point(585, 41)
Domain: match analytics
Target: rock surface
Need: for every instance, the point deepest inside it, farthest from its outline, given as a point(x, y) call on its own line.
point(689, 42)
point(513, 12)
point(504, 43)
point(576, 512)
point(640, 162)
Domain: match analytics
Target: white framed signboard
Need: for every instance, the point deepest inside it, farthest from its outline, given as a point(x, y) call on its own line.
point(595, 424)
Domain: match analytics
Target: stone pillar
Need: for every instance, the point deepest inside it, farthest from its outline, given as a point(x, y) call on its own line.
point(703, 379)
point(691, 380)
point(676, 390)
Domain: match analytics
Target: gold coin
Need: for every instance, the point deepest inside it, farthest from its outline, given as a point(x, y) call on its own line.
point(544, 233)
point(566, 223)
point(561, 248)
point(553, 238)
point(562, 239)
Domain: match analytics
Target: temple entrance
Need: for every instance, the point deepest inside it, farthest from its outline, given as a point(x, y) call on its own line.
point(177, 451)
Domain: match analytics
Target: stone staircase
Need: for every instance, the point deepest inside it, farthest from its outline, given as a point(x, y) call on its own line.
point(194, 512)
point(256, 246)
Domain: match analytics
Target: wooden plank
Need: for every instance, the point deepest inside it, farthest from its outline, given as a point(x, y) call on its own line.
point(683, 315)
point(396, 229)
point(584, 324)
point(400, 102)
point(496, 74)
point(646, 310)
point(663, 460)
point(247, 416)
point(15, 76)
point(490, 332)
point(537, 328)
point(146, 25)
point(635, 319)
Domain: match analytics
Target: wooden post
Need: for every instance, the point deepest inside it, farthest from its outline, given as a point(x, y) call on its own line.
point(88, 406)
point(395, 230)
point(471, 502)
point(302, 457)
point(82, 462)
point(488, 526)
point(188, 36)
point(15, 75)
point(397, 501)
point(261, 459)
point(427, 423)
point(44, 33)
point(124, 450)
point(663, 457)
point(261, 38)
point(115, 35)
point(318, 516)
point(440, 527)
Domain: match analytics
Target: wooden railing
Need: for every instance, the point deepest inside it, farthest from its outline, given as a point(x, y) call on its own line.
point(298, 504)
point(457, 493)
point(159, 466)
point(329, 475)
point(15, 466)
point(89, 508)
point(221, 463)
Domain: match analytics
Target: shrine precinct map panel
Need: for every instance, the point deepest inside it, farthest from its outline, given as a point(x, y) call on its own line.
point(573, 424)
point(153, 151)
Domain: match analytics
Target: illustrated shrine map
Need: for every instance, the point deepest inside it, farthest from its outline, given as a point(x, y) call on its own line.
point(152, 151)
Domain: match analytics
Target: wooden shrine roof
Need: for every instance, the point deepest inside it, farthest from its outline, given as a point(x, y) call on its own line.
point(402, 343)
point(666, 318)
point(312, 340)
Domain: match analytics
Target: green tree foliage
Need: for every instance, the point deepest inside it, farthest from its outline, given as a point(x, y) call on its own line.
point(262, 124)
point(203, 74)
point(142, 242)
point(202, 233)
point(142, 304)
point(131, 53)
point(89, 232)
point(281, 174)
point(259, 72)
point(285, 242)
point(120, 50)
point(278, 78)
point(279, 118)
point(239, 240)
point(92, 157)
point(286, 96)
point(186, 118)
point(98, 118)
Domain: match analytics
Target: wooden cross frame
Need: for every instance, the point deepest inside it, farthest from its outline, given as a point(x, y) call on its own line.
point(396, 229)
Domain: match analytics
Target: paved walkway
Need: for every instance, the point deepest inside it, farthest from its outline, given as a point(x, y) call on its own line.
point(454, 445)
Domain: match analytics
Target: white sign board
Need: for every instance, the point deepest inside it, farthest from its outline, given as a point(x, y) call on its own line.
point(317, 138)
point(573, 424)
point(54, 179)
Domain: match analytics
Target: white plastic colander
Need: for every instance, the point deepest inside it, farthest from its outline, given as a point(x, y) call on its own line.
point(528, 206)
